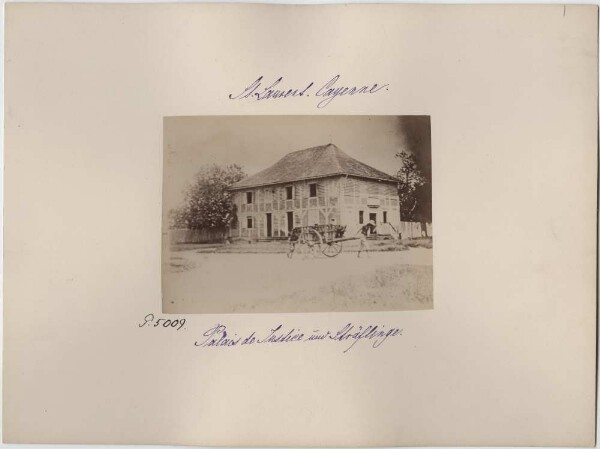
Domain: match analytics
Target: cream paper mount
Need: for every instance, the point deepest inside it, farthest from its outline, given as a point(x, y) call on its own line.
point(501, 350)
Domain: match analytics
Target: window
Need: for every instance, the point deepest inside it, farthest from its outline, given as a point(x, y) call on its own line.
point(361, 217)
point(313, 190)
point(385, 216)
point(249, 197)
point(289, 192)
point(249, 223)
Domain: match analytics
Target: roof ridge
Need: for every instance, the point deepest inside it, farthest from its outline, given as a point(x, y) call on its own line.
point(337, 153)
point(311, 148)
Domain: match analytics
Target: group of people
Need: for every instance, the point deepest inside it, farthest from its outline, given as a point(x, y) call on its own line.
point(363, 231)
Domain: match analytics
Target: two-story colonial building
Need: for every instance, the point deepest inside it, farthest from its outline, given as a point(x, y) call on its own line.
point(320, 185)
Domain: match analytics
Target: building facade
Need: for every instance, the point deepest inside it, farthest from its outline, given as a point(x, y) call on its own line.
point(321, 185)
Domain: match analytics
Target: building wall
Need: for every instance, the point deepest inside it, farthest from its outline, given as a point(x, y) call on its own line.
point(377, 199)
point(339, 198)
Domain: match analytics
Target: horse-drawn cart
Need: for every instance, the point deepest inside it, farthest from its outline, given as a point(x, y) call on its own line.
point(326, 239)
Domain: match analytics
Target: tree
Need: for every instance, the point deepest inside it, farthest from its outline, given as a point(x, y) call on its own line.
point(413, 189)
point(422, 212)
point(208, 202)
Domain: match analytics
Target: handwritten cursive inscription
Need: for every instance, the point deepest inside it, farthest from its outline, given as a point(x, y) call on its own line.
point(260, 90)
point(219, 336)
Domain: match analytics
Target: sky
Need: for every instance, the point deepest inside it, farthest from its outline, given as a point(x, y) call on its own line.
point(257, 142)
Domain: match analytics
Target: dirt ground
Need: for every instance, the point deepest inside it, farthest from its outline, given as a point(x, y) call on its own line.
point(196, 281)
point(281, 246)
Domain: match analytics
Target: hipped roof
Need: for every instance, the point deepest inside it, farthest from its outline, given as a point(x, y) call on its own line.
point(311, 163)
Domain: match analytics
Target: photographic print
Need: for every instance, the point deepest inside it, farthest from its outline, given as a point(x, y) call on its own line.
point(265, 214)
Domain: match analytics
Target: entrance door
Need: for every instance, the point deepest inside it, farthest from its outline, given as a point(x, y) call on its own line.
point(290, 220)
point(373, 216)
point(269, 226)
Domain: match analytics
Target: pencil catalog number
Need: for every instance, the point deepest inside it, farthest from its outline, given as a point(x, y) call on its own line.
point(151, 321)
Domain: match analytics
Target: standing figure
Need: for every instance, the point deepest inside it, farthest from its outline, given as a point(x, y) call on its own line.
point(364, 232)
point(292, 241)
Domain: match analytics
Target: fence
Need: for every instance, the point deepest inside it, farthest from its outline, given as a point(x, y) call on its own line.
point(387, 229)
point(196, 235)
point(413, 230)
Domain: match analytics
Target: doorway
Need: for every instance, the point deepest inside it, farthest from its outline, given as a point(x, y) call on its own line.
point(290, 222)
point(269, 226)
point(373, 216)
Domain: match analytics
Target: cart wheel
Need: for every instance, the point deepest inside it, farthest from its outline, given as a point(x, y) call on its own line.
point(332, 249)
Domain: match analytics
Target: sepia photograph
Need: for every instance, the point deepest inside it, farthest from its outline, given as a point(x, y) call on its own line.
point(282, 214)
